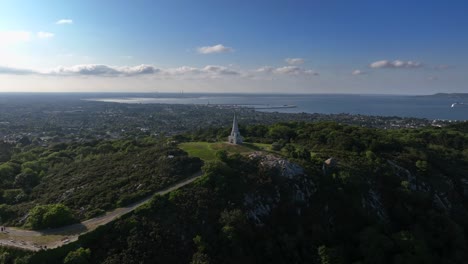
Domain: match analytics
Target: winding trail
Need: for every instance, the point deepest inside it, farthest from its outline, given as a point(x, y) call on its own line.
point(56, 237)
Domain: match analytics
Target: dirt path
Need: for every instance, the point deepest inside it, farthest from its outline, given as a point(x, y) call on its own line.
point(53, 238)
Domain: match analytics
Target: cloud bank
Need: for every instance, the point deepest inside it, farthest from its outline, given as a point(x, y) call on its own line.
point(122, 71)
point(287, 70)
point(207, 72)
point(103, 70)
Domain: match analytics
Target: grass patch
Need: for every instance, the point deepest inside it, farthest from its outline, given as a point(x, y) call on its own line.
point(201, 150)
point(207, 151)
point(262, 146)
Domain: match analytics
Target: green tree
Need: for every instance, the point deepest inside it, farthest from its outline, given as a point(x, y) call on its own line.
point(79, 256)
point(26, 179)
point(222, 155)
point(5, 213)
point(232, 221)
point(8, 171)
point(281, 132)
point(200, 257)
point(48, 216)
point(422, 166)
point(5, 257)
point(329, 255)
point(13, 196)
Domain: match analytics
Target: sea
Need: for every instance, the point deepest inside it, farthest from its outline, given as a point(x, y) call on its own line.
point(429, 107)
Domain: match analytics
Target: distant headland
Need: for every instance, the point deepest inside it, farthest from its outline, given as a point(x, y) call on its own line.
point(449, 95)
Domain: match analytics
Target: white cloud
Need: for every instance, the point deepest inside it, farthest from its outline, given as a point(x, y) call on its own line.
point(265, 69)
point(103, 70)
point(394, 64)
point(294, 61)
point(214, 49)
point(138, 70)
point(358, 72)
point(14, 37)
point(85, 70)
point(64, 21)
point(286, 70)
point(294, 70)
point(182, 70)
point(219, 70)
point(209, 71)
point(45, 35)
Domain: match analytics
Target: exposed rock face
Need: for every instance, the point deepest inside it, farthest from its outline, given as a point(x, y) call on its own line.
point(372, 201)
point(284, 167)
point(406, 175)
point(290, 184)
point(440, 199)
point(259, 207)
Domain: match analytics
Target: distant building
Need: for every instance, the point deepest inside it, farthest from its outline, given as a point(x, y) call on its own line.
point(235, 137)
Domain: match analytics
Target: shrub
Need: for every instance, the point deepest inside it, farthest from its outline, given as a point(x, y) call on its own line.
point(49, 216)
point(79, 256)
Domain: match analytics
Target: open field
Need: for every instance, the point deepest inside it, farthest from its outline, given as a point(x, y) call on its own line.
point(207, 151)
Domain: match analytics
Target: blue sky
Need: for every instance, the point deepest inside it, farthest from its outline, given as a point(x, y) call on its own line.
point(391, 47)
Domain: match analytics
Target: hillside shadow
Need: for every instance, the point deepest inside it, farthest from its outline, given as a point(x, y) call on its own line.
point(252, 146)
point(74, 229)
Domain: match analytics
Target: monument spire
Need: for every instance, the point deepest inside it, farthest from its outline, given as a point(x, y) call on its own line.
point(235, 137)
point(235, 127)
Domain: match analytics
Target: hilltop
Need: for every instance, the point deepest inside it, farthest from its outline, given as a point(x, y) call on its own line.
point(321, 193)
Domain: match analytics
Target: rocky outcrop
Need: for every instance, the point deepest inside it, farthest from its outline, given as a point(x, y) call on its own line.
point(292, 185)
point(440, 198)
point(284, 167)
point(372, 201)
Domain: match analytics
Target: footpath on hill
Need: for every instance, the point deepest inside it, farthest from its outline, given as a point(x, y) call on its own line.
point(56, 237)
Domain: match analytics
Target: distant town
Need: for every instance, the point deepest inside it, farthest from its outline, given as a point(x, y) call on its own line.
point(45, 120)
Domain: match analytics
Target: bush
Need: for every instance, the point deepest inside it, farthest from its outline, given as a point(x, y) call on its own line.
point(5, 213)
point(13, 196)
point(79, 256)
point(49, 216)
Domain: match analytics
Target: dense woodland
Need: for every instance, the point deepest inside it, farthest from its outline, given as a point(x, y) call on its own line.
point(397, 196)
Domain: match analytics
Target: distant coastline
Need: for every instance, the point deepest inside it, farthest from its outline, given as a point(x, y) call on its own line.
point(449, 95)
point(436, 106)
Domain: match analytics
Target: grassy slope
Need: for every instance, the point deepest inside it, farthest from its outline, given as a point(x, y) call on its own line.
point(207, 151)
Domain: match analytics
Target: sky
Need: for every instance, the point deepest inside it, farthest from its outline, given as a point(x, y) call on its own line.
point(242, 46)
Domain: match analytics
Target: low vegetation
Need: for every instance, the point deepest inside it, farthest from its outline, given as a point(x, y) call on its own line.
point(88, 178)
point(386, 197)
